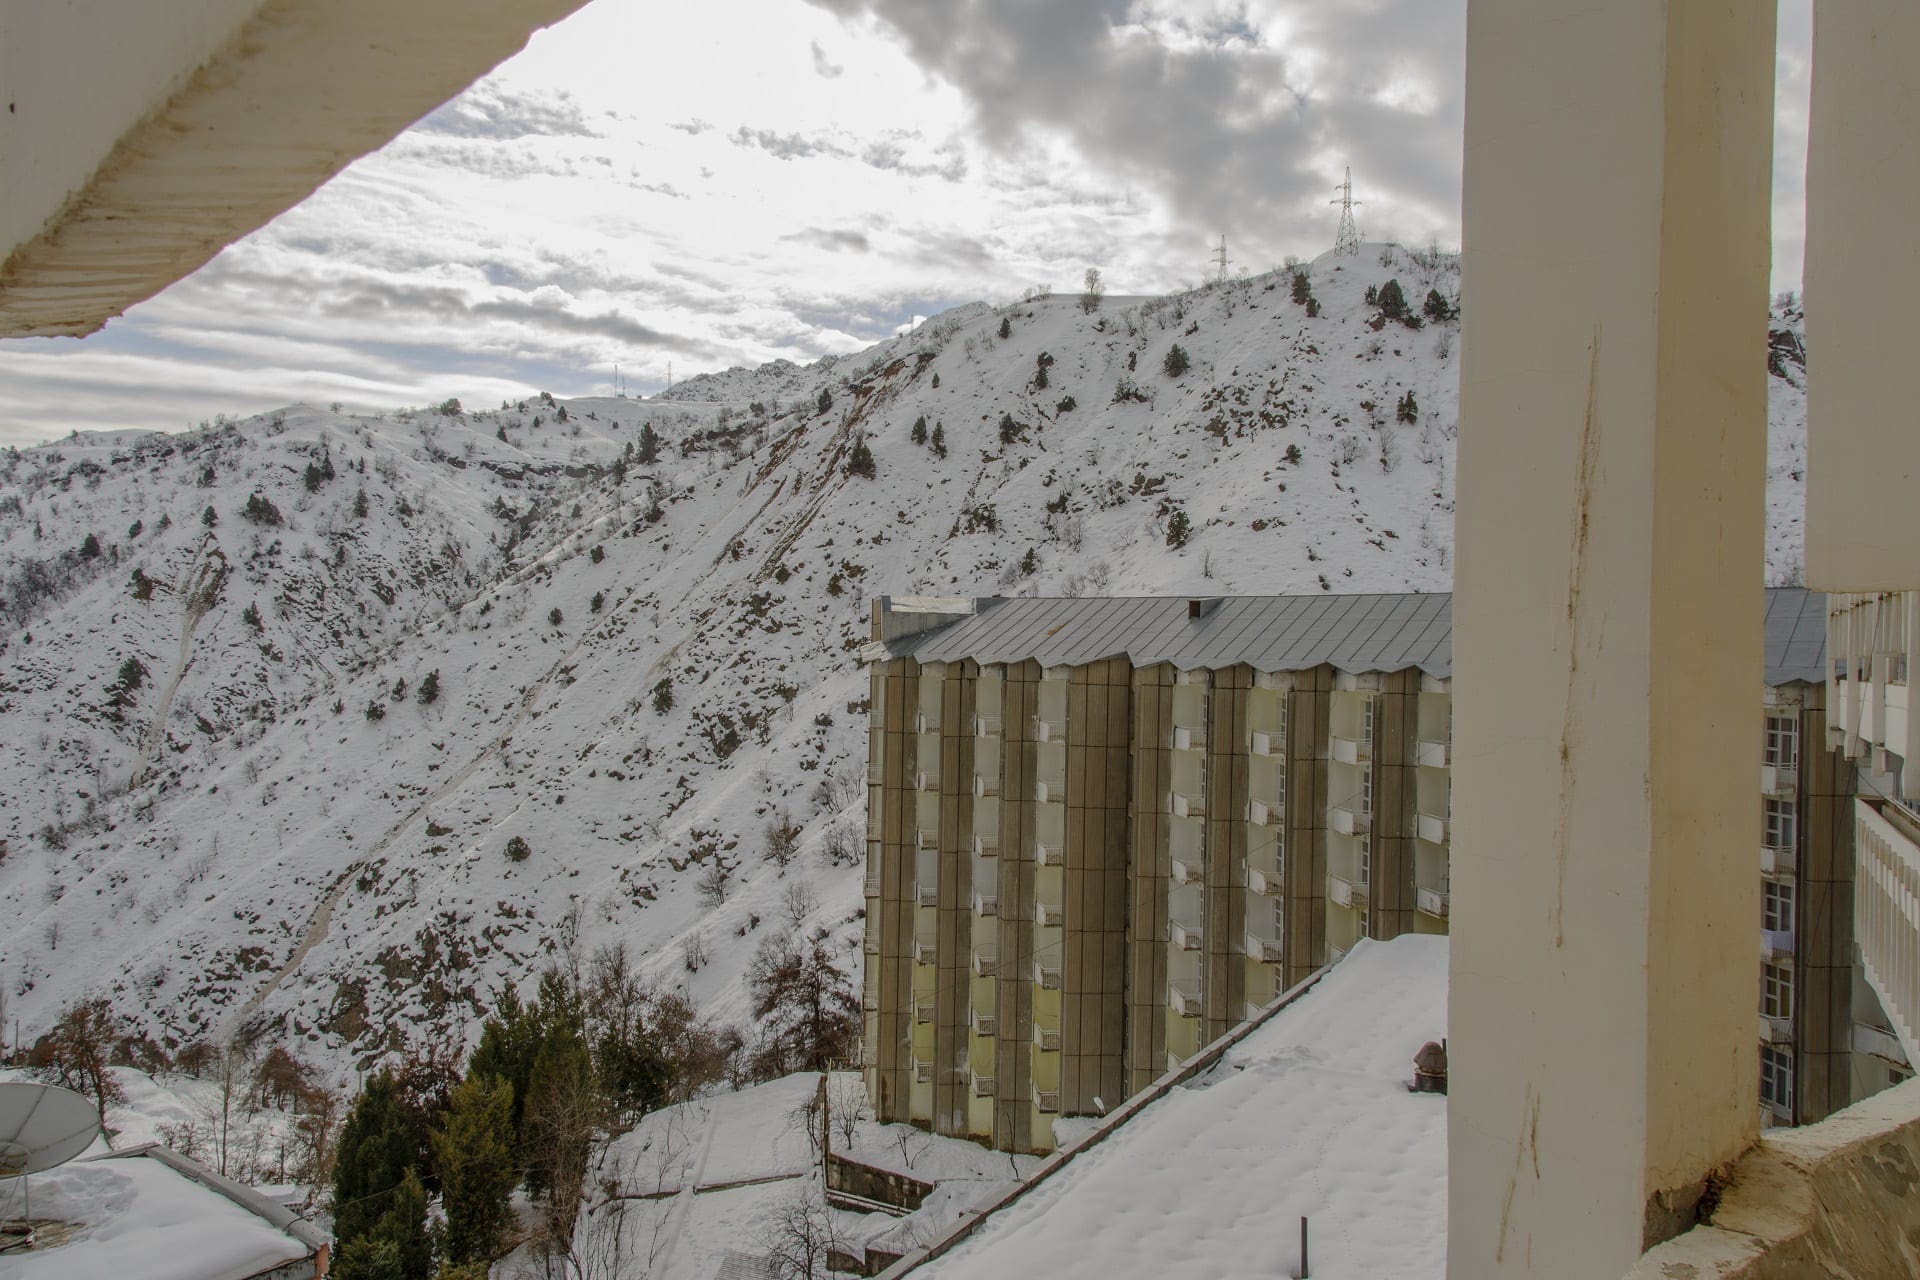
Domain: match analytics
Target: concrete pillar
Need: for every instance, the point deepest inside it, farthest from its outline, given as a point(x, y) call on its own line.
point(1147, 876)
point(1226, 890)
point(953, 992)
point(1823, 934)
point(1863, 179)
point(1013, 989)
point(1309, 712)
point(1396, 795)
point(1611, 469)
point(896, 695)
point(1093, 970)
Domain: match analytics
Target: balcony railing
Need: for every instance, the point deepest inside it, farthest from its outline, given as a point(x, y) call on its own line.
point(982, 1086)
point(921, 781)
point(1184, 999)
point(1779, 779)
point(986, 846)
point(1184, 805)
point(1047, 1100)
point(1266, 813)
point(923, 1009)
point(1263, 876)
point(986, 961)
point(928, 895)
point(873, 886)
point(1778, 862)
point(1047, 973)
point(1350, 819)
point(1049, 730)
point(1187, 934)
point(929, 841)
point(1343, 892)
point(1352, 750)
point(1776, 944)
point(1269, 743)
point(1048, 855)
point(1045, 792)
point(1431, 827)
point(924, 723)
point(876, 772)
point(984, 1024)
point(1046, 1039)
point(925, 953)
point(1187, 868)
point(1265, 950)
point(1431, 754)
point(983, 786)
point(1431, 901)
point(1187, 737)
point(1886, 919)
point(986, 726)
point(986, 904)
point(1047, 914)
point(1776, 1030)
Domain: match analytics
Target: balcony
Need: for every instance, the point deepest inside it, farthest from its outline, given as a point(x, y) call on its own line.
point(921, 782)
point(1886, 887)
point(925, 953)
point(928, 895)
point(1429, 754)
point(1778, 862)
point(1264, 878)
point(1045, 792)
point(1048, 855)
point(986, 962)
point(986, 904)
point(986, 846)
point(876, 773)
point(1352, 750)
point(924, 723)
point(1779, 779)
point(1184, 999)
point(1047, 914)
point(984, 1024)
point(1431, 827)
point(923, 1009)
point(985, 787)
point(1776, 944)
point(1267, 813)
point(1269, 743)
point(1343, 892)
point(922, 1071)
point(1046, 1039)
point(1186, 934)
point(1265, 950)
point(1047, 974)
point(1182, 805)
point(1187, 868)
point(929, 841)
point(986, 726)
point(1047, 1100)
point(1431, 902)
point(870, 945)
point(1049, 730)
point(1188, 737)
point(873, 886)
point(1350, 819)
point(1776, 1030)
point(982, 1085)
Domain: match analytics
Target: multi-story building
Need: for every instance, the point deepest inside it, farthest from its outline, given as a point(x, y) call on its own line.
point(1101, 832)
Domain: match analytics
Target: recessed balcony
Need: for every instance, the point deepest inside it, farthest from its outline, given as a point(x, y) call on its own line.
point(1778, 862)
point(929, 841)
point(1188, 868)
point(923, 782)
point(873, 886)
point(1183, 805)
point(986, 904)
point(922, 1071)
point(1431, 827)
point(1263, 877)
point(1433, 902)
point(928, 895)
point(1269, 743)
point(1430, 754)
point(923, 1009)
point(1352, 750)
point(1776, 1030)
point(1350, 819)
point(1265, 950)
point(986, 726)
point(1188, 737)
point(982, 1085)
point(1046, 1039)
point(1185, 934)
point(1046, 1100)
point(986, 962)
point(1184, 999)
point(924, 723)
point(1052, 731)
point(1343, 892)
point(1048, 915)
point(1779, 779)
point(1047, 973)
point(1266, 813)
point(985, 787)
point(1776, 944)
point(925, 953)
point(1046, 792)
point(1048, 855)
point(876, 773)
point(984, 1024)
point(986, 846)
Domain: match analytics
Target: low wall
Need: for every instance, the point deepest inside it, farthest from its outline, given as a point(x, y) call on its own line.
point(853, 1185)
point(1838, 1199)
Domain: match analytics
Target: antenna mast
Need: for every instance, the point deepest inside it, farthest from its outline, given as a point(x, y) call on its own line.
point(1346, 241)
point(1219, 258)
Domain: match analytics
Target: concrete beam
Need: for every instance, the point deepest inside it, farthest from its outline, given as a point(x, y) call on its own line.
point(137, 140)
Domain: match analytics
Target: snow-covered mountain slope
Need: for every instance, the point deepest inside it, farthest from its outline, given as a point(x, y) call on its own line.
point(227, 806)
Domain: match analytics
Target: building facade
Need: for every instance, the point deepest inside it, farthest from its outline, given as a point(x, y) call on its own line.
point(1101, 832)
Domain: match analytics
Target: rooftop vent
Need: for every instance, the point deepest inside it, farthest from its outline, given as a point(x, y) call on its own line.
point(1201, 608)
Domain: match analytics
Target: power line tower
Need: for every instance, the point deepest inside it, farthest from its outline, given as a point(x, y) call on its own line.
point(1347, 239)
point(1219, 258)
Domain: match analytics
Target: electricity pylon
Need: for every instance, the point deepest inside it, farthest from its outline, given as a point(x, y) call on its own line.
point(1347, 239)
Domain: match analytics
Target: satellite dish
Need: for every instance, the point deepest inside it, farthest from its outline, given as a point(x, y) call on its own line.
point(41, 1126)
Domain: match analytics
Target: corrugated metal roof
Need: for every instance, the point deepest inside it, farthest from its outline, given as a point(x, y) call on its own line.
point(1353, 633)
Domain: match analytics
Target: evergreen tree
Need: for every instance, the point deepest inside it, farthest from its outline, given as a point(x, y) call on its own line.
point(1176, 362)
point(939, 440)
point(473, 1155)
point(920, 429)
point(936, 382)
point(429, 692)
point(1407, 410)
point(374, 1156)
point(366, 1258)
point(1010, 431)
point(808, 1013)
point(1006, 327)
point(209, 517)
point(824, 401)
point(649, 445)
point(312, 478)
point(360, 505)
point(860, 461)
point(90, 548)
point(598, 602)
point(1437, 307)
point(1393, 303)
point(1302, 287)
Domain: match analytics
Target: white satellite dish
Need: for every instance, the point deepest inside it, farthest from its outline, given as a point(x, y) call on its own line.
point(42, 1126)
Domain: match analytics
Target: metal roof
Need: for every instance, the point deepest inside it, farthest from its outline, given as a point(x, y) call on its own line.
point(1352, 633)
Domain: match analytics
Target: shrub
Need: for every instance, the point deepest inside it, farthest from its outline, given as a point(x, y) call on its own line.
point(1407, 409)
point(663, 696)
point(209, 517)
point(1437, 307)
point(90, 548)
point(133, 530)
point(1067, 405)
point(554, 615)
point(1006, 327)
point(518, 850)
point(597, 555)
point(1179, 528)
point(824, 401)
point(429, 692)
point(260, 509)
point(251, 616)
point(376, 711)
point(1302, 287)
point(598, 602)
point(1010, 431)
point(1176, 362)
point(1030, 563)
point(1393, 303)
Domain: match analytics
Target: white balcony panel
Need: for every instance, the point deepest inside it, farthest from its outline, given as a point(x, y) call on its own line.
point(1267, 743)
point(985, 963)
point(1352, 750)
point(929, 895)
point(1343, 892)
point(1188, 869)
point(1777, 862)
point(1431, 901)
point(1047, 974)
point(986, 904)
point(1349, 821)
point(984, 1024)
point(925, 953)
point(986, 726)
point(1189, 738)
point(1183, 805)
point(1184, 999)
point(1886, 920)
point(1048, 855)
point(986, 846)
point(983, 786)
point(1046, 1100)
point(1265, 950)
point(1776, 944)
point(1263, 881)
point(1047, 914)
point(1049, 731)
point(1046, 1039)
point(1266, 813)
point(924, 723)
point(1429, 754)
point(1186, 934)
point(982, 1086)
point(1778, 779)
point(1431, 827)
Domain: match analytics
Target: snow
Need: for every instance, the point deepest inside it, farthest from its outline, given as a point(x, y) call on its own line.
point(144, 1219)
point(1309, 1115)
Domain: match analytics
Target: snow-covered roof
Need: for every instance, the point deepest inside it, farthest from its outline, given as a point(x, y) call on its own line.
point(150, 1213)
point(1309, 1115)
point(1353, 633)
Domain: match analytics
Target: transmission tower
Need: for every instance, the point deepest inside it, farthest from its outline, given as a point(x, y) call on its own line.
point(1347, 239)
point(1219, 258)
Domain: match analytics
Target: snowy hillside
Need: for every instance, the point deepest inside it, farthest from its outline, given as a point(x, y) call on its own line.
point(228, 803)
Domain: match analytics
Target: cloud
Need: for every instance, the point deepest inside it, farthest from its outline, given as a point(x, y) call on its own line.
point(786, 146)
point(823, 68)
point(840, 241)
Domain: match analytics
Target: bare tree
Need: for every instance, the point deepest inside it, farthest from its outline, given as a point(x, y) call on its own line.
point(798, 902)
point(1090, 296)
point(79, 1053)
point(846, 1099)
point(799, 1234)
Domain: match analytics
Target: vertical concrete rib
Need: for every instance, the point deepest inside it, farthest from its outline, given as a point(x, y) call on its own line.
point(953, 984)
point(1823, 933)
point(1226, 851)
point(1013, 988)
point(1304, 873)
point(1396, 725)
point(1147, 876)
point(896, 685)
point(1093, 1010)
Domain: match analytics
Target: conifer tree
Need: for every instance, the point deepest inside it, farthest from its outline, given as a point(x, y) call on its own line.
point(1176, 362)
point(1006, 327)
point(649, 445)
point(824, 401)
point(373, 1162)
point(939, 440)
point(920, 429)
point(429, 691)
point(473, 1155)
point(860, 461)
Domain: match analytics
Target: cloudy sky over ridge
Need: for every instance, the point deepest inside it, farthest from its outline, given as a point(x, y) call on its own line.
point(744, 180)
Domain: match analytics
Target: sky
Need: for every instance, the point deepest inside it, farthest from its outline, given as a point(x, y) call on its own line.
point(681, 188)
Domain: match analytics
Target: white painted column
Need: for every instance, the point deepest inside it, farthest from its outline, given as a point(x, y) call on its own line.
point(1606, 623)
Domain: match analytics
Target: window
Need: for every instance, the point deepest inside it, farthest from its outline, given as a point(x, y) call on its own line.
point(1279, 918)
point(1782, 749)
point(1366, 923)
point(1366, 730)
point(1366, 790)
point(1366, 864)
point(1778, 824)
point(1776, 1079)
point(1776, 906)
point(1776, 991)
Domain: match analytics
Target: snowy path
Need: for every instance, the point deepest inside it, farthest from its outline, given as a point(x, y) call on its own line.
point(199, 598)
point(683, 1204)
